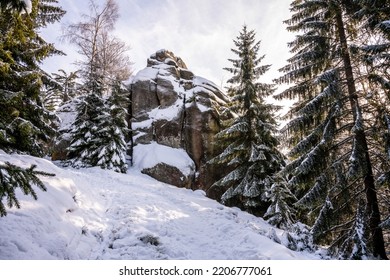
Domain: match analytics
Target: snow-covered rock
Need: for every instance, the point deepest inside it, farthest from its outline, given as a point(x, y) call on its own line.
point(173, 107)
point(158, 161)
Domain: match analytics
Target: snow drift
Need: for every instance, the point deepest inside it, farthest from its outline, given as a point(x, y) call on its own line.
point(100, 214)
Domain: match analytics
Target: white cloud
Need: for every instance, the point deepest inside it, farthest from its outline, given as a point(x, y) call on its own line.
point(200, 32)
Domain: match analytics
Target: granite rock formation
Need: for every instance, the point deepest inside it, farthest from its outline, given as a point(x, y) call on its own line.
point(173, 107)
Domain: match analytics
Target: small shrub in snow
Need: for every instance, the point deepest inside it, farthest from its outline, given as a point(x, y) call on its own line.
point(300, 239)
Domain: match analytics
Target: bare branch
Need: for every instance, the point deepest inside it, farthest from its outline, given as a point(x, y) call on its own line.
point(104, 55)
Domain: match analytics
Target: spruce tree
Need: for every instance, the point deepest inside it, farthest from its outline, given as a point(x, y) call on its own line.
point(331, 168)
point(100, 132)
point(25, 125)
point(112, 144)
point(85, 129)
point(281, 212)
point(248, 141)
point(355, 245)
point(374, 52)
point(98, 136)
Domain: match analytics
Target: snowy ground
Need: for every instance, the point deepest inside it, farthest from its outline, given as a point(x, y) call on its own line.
point(97, 214)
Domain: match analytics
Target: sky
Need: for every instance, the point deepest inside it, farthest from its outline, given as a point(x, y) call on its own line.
point(201, 32)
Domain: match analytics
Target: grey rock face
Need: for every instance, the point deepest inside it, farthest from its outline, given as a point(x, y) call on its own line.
point(176, 178)
point(173, 107)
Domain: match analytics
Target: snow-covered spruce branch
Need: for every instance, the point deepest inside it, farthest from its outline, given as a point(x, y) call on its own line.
point(13, 177)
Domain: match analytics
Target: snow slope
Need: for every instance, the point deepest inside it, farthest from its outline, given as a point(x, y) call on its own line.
point(99, 214)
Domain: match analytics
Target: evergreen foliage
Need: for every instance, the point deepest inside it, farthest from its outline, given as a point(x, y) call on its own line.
point(24, 123)
point(113, 133)
point(100, 130)
point(85, 129)
point(60, 88)
point(248, 141)
point(280, 213)
point(355, 245)
point(13, 177)
point(374, 52)
point(13, 5)
point(98, 136)
point(330, 164)
point(300, 238)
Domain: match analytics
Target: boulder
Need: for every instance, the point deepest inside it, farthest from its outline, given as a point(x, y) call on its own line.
point(166, 164)
point(169, 174)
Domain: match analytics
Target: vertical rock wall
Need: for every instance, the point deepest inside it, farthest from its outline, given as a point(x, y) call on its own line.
point(174, 108)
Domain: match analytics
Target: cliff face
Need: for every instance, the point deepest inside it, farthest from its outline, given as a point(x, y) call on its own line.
point(174, 108)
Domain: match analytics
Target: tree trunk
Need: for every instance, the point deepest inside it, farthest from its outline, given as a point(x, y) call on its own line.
point(129, 122)
point(373, 212)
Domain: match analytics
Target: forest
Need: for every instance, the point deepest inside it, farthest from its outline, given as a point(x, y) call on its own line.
point(325, 171)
